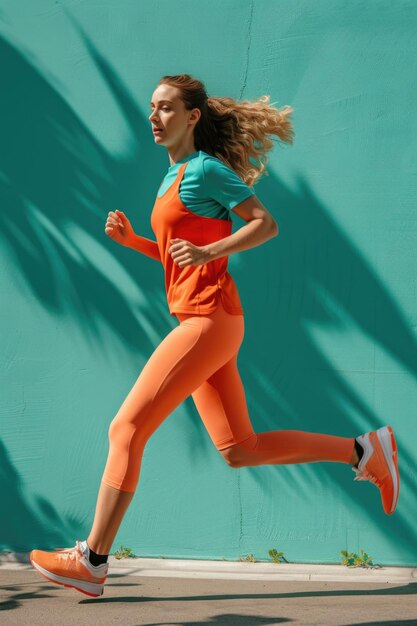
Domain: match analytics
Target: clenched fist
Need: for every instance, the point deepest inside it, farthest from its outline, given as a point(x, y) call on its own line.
point(119, 228)
point(185, 253)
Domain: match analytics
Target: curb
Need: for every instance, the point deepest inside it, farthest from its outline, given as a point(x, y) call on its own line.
point(232, 570)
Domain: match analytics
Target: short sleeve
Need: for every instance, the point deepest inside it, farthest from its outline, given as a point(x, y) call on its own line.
point(223, 184)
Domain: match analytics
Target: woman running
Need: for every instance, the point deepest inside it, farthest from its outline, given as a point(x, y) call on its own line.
point(209, 141)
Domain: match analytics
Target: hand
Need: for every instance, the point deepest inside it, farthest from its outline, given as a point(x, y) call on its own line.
point(119, 228)
point(186, 253)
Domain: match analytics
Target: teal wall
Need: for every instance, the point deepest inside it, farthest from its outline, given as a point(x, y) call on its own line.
point(331, 306)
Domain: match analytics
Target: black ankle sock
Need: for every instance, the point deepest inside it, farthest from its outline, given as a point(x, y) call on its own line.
point(97, 559)
point(359, 451)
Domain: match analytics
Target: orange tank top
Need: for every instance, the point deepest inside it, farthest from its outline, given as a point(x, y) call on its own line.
point(192, 288)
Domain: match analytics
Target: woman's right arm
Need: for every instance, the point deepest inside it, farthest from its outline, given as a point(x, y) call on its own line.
point(119, 228)
point(144, 245)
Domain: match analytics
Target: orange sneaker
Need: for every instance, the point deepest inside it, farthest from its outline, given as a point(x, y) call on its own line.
point(379, 464)
point(71, 567)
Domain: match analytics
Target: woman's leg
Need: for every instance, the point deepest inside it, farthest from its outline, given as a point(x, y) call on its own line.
point(111, 506)
point(278, 447)
point(221, 403)
point(186, 357)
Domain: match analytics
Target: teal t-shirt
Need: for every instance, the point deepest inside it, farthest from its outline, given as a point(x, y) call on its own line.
point(209, 187)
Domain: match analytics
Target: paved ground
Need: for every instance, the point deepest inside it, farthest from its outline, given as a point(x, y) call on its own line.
point(27, 598)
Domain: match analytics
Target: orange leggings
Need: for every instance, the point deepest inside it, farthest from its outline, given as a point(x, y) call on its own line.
point(199, 358)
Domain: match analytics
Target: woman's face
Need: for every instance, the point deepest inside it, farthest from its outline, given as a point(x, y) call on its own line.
point(170, 115)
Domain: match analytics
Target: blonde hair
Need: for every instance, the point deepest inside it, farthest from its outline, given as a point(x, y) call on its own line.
point(234, 131)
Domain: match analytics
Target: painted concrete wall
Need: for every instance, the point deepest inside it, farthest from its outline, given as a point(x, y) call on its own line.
point(331, 307)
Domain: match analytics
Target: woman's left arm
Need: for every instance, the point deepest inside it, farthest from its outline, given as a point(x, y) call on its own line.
point(261, 227)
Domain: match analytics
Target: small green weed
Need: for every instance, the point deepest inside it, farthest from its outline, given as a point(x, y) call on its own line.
point(277, 557)
point(248, 557)
point(123, 553)
point(354, 560)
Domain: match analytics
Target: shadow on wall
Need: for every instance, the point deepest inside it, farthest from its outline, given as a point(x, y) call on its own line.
point(58, 184)
point(29, 520)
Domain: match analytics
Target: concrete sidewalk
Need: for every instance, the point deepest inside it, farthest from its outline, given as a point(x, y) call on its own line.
point(172, 592)
point(238, 570)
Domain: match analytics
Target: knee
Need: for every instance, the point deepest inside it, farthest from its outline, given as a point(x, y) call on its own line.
point(238, 455)
point(230, 455)
point(115, 429)
point(121, 432)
